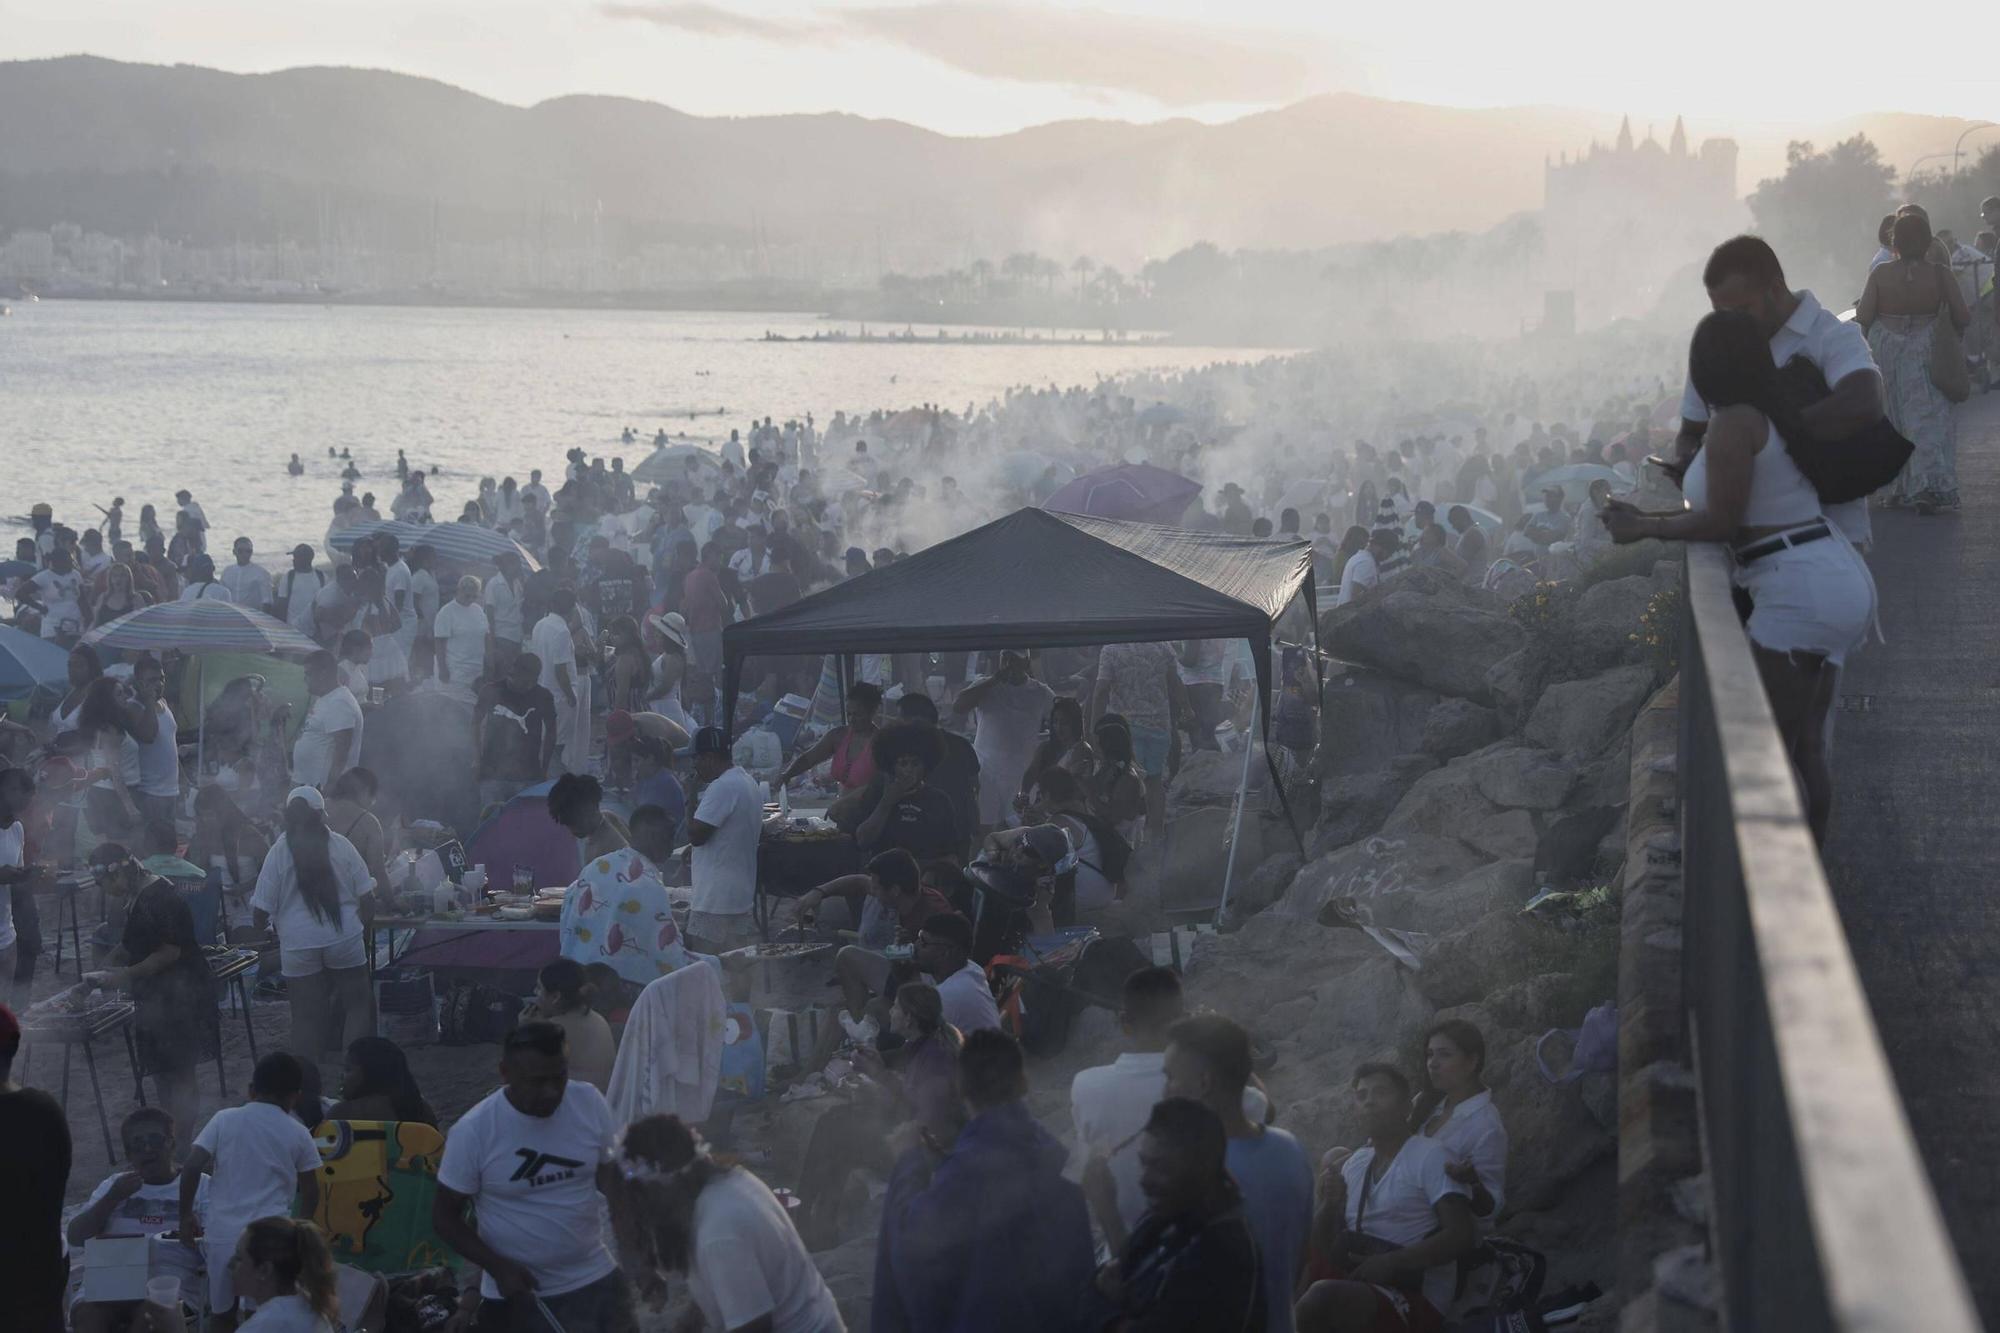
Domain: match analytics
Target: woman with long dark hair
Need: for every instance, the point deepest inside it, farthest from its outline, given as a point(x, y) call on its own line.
point(679, 1211)
point(283, 1264)
point(1812, 596)
point(378, 1085)
point(85, 669)
point(1116, 789)
point(1065, 746)
point(113, 799)
point(1901, 310)
point(1457, 1110)
point(846, 750)
point(315, 888)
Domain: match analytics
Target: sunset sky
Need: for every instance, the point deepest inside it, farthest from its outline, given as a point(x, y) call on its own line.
point(988, 66)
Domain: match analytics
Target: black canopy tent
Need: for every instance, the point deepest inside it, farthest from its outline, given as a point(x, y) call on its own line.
point(1039, 579)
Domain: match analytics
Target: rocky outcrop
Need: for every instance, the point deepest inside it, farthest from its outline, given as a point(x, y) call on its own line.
point(1356, 804)
point(1584, 718)
point(1459, 726)
point(1602, 631)
point(1429, 633)
point(1369, 719)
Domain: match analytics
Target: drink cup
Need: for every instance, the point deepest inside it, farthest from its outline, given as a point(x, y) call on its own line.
point(164, 1292)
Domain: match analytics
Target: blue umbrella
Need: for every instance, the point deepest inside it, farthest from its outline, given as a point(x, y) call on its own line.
point(203, 626)
point(28, 662)
point(458, 543)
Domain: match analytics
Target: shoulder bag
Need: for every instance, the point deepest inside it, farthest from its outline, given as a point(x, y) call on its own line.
point(1948, 370)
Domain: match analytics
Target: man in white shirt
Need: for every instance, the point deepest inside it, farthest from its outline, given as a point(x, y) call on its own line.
point(460, 629)
point(92, 558)
point(1109, 1104)
point(1397, 1189)
point(249, 585)
point(201, 585)
point(1364, 567)
point(556, 647)
point(754, 560)
point(534, 1160)
point(292, 594)
point(329, 742)
point(944, 954)
point(1744, 274)
point(59, 589)
point(504, 592)
point(396, 587)
point(727, 822)
point(536, 489)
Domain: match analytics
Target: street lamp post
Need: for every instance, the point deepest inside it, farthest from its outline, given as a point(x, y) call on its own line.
point(1909, 175)
point(1981, 125)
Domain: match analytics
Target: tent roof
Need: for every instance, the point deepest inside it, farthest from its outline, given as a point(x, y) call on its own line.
point(1038, 578)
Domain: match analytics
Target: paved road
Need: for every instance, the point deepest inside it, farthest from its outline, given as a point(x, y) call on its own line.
point(1914, 855)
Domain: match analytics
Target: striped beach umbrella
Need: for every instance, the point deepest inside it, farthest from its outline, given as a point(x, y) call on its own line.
point(456, 543)
point(205, 626)
point(29, 662)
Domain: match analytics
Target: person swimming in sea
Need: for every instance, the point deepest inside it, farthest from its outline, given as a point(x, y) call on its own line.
point(402, 467)
point(350, 473)
point(295, 467)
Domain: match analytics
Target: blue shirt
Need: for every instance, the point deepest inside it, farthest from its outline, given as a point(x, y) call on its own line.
point(663, 790)
point(1277, 1185)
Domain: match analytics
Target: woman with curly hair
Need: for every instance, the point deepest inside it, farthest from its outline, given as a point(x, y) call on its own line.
point(907, 811)
point(679, 1211)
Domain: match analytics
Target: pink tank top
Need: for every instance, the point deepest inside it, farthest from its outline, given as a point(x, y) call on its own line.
point(850, 770)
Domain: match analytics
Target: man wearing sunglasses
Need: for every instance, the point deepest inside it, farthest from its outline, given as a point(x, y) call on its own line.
point(142, 1200)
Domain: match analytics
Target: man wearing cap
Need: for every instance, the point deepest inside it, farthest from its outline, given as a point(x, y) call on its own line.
point(43, 520)
point(292, 596)
point(1236, 515)
point(249, 585)
point(460, 630)
point(727, 822)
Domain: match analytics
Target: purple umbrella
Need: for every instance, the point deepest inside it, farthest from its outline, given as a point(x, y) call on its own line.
point(1137, 492)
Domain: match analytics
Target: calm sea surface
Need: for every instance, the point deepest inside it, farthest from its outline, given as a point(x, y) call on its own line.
point(104, 398)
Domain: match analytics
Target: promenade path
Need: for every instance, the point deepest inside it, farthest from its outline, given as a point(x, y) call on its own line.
point(1914, 852)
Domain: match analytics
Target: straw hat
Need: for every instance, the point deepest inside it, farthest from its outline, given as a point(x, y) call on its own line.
point(672, 627)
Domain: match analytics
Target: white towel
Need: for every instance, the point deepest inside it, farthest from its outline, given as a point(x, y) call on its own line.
point(670, 1058)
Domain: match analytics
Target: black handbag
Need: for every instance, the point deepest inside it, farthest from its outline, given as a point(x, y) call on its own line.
point(1852, 468)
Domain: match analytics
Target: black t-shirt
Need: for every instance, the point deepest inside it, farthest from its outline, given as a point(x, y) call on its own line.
point(957, 776)
point(1193, 1275)
point(924, 824)
point(513, 726)
point(159, 915)
point(34, 1171)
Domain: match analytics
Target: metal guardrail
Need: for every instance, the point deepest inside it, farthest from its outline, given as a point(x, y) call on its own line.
point(1822, 1215)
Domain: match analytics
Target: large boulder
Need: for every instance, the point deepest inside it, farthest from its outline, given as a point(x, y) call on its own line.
point(1210, 777)
point(1584, 718)
point(1376, 866)
point(1569, 850)
point(1498, 949)
point(1511, 684)
point(1606, 618)
point(1356, 804)
point(1504, 834)
point(1367, 719)
point(1443, 803)
point(1504, 885)
point(1459, 726)
point(1434, 639)
point(1253, 892)
point(1517, 777)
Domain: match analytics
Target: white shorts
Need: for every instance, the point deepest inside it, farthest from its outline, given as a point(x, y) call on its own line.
point(351, 952)
point(1816, 598)
point(217, 1252)
point(713, 932)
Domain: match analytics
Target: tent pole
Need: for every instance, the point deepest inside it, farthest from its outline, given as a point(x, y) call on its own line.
point(1242, 799)
point(200, 717)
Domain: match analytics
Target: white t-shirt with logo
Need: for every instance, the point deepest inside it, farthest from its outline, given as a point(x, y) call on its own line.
point(725, 867)
point(312, 754)
point(748, 1261)
point(259, 1151)
point(61, 596)
point(533, 1181)
point(147, 1212)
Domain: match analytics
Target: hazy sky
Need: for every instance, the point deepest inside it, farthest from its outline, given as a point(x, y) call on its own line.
point(985, 66)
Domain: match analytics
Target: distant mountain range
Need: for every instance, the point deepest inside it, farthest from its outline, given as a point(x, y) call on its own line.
point(397, 161)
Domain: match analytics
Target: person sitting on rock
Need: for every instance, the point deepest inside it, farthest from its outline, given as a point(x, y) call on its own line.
point(1457, 1110)
point(1391, 1226)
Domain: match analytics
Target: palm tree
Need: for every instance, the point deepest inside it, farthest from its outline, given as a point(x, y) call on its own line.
point(1082, 267)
